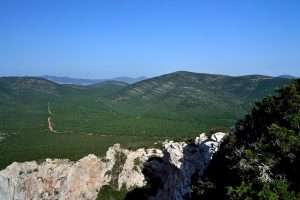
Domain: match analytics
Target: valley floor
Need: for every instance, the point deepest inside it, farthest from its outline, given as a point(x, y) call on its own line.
point(27, 146)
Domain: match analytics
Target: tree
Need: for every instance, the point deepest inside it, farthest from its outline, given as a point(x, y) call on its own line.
point(260, 158)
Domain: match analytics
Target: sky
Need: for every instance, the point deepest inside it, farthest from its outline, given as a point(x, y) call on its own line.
point(110, 38)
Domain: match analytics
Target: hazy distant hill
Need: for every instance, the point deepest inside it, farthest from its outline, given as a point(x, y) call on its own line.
point(109, 83)
point(288, 76)
point(69, 80)
point(81, 81)
point(129, 80)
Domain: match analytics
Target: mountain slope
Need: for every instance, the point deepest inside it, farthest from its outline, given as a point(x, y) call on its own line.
point(204, 98)
point(17, 85)
point(185, 85)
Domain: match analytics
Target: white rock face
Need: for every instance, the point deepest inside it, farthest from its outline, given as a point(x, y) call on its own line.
point(179, 163)
point(131, 175)
point(53, 179)
point(59, 179)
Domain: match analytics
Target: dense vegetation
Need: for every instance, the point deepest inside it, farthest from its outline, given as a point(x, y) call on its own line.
point(261, 157)
point(88, 119)
point(202, 101)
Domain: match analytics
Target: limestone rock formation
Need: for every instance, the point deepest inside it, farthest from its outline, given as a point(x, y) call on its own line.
point(173, 172)
point(67, 180)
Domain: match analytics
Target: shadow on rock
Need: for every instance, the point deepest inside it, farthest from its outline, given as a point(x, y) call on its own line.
point(170, 177)
point(154, 181)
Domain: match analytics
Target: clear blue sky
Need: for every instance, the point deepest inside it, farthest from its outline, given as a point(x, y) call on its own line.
point(108, 38)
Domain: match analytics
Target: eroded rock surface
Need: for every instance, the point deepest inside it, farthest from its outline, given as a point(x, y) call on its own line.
point(64, 179)
point(173, 172)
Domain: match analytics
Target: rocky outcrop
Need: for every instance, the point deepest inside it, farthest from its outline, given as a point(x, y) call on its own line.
point(64, 179)
point(53, 179)
point(173, 172)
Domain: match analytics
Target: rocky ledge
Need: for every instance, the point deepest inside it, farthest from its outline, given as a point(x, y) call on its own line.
point(59, 179)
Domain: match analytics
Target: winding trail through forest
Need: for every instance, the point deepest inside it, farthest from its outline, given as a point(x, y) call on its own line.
point(50, 126)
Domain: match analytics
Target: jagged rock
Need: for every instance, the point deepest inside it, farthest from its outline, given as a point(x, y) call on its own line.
point(179, 163)
point(131, 175)
point(64, 179)
point(53, 179)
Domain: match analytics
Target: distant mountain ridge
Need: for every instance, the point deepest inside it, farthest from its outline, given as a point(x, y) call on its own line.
point(205, 98)
point(183, 85)
point(84, 81)
point(288, 76)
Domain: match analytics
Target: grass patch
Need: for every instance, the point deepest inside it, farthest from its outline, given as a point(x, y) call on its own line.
point(109, 193)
